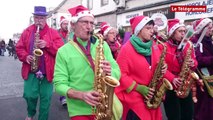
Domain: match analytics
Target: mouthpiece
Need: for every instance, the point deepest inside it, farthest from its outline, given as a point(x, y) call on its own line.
point(90, 32)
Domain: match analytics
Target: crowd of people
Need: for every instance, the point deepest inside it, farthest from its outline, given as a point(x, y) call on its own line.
point(68, 62)
point(10, 47)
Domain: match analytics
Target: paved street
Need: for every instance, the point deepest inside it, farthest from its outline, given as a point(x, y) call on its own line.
point(12, 105)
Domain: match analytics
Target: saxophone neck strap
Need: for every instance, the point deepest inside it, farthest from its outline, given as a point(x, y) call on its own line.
point(86, 51)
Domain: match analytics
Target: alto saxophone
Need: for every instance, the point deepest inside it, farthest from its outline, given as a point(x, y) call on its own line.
point(36, 53)
point(157, 83)
point(104, 85)
point(187, 75)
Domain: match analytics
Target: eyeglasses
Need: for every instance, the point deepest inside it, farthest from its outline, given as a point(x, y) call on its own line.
point(182, 31)
point(149, 27)
point(85, 22)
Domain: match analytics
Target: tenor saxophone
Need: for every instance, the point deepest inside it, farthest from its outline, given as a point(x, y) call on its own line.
point(157, 83)
point(187, 75)
point(36, 53)
point(104, 85)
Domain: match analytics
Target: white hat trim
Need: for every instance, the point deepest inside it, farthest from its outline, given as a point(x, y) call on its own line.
point(105, 25)
point(202, 24)
point(107, 30)
point(74, 19)
point(140, 25)
point(180, 24)
point(63, 20)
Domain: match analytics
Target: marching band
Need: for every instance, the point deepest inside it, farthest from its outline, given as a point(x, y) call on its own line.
point(164, 61)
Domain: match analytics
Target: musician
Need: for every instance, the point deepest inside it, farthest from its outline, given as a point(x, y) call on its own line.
point(74, 68)
point(63, 31)
point(109, 34)
point(137, 60)
point(204, 56)
point(38, 85)
point(177, 108)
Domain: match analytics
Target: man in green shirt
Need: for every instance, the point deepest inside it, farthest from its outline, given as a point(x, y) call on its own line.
point(74, 67)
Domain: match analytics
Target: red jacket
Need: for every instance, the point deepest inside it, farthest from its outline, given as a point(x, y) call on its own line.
point(53, 40)
point(134, 67)
point(174, 67)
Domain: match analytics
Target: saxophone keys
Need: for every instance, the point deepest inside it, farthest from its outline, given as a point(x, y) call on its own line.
point(99, 90)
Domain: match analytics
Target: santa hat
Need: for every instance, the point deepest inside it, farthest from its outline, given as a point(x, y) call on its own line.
point(78, 12)
point(138, 22)
point(62, 19)
point(173, 24)
point(105, 28)
point(200, 24)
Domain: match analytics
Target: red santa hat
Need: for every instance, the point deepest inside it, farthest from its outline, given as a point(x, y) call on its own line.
point(78, 12)
point(200, 24)
point(138, 22)
point(105, 28)
point(62, 19)
point(173, 24)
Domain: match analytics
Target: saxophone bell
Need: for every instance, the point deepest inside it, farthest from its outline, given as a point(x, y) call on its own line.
point(111, 81)
point(38, 52)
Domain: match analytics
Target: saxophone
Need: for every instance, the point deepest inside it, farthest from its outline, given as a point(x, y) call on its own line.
point(104, 85)
point(36, 53)
point(157, 83)
point(187, 75)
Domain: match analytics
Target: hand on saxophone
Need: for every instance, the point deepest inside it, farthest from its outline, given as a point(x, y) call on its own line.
point(106, 67)
point(191, 63)
point(145, 91)
point(164, 68)
point(200, 84)
point(41, 43)
point(177, 82)
point(92, 98)
point(29, 59)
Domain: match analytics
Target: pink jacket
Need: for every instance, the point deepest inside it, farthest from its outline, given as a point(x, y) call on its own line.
point(54, 42)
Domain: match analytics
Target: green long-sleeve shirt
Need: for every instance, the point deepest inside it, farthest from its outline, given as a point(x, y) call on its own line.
point(72, 70)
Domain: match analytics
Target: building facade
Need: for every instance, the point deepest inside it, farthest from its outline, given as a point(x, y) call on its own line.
point(118, 12)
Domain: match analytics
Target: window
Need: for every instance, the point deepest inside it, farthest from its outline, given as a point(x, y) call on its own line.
point(104, 2)
point(90, 4)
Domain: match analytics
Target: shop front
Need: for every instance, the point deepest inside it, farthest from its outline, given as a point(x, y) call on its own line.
point(191, 16)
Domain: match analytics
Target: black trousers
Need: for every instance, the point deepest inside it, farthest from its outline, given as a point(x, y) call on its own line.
point(132, 116)
point(178, 108)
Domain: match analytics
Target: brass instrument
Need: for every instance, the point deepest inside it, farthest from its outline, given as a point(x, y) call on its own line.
point(207, 80)
point(160, 21)
point(104, 85)
point(36, 53)
point(158, 84)
point(187, 75)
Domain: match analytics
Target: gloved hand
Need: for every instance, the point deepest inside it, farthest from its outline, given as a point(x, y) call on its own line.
point(142, 89)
